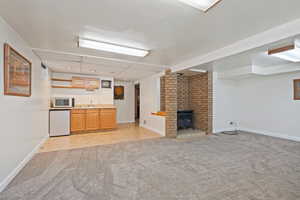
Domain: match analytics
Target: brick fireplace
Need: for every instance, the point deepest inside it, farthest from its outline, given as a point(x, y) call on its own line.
point(180, 92)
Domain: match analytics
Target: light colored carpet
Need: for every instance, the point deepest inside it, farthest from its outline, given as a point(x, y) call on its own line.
point(242, 167)
point(190, 133)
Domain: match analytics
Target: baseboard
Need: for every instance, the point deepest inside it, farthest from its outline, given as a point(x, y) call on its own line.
point(153, 129)
point(22, 164)
point(222, 130)
point(125, 122)
point(272, 134)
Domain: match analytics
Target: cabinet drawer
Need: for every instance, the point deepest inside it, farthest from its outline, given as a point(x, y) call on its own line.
point(92, 110)
point(108, 110)
point(78, 111)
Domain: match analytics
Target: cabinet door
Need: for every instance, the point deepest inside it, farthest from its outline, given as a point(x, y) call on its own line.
point(78, 82)
point(78, 122)
point(108, 118)
point(92, 121)
point(85, 83)
point(92, 83)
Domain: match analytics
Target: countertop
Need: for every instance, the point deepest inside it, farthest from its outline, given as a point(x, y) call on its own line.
point(86, 107)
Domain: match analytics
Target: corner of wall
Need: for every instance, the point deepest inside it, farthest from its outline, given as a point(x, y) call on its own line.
point(21, 165)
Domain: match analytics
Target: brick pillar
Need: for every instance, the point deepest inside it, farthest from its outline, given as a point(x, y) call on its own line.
point(171, 103)
point(162, 94)
point(210, 103)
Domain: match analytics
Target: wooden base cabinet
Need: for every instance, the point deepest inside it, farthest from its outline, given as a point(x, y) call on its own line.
point(87, 120)
point(78, 120)
point(92, 119)
point(108, 118)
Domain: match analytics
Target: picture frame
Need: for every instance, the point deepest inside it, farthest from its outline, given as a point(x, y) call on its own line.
point(119, 93)
point(17, 73)
point(297, 89)
point(105, 84)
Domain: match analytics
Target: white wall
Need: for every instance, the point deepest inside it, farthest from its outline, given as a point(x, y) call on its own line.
point(224, 104)
point(100, 96)
point(125, 108)
point(24, 120)
point(266, 106)
point(262, 104)
point(150, 102)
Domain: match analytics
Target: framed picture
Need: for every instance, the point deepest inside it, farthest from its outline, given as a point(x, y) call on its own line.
point(297, 89)
point(105, 84)
point(17, 73)
point(119, 92)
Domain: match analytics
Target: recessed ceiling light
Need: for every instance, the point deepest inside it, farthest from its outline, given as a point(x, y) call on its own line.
point(203, 5)
point(115, 48)
point(289, 53)
point(198, 70)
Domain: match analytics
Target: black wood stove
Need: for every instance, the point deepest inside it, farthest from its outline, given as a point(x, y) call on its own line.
point(184, 119)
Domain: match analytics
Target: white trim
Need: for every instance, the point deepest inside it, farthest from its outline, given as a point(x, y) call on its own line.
point(272, 35)
point(21, 165)
point(162, 133)
point(126, 122)
point(272, 134)
point(223, 130)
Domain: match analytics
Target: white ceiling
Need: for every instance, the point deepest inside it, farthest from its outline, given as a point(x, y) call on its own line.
point(254, 57)
point(171, 30)
point(121, 70)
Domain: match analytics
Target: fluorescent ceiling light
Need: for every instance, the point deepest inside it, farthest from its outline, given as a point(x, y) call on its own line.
point(289, 53)
point(104, 46)
point(203, 5)
point(198, 70)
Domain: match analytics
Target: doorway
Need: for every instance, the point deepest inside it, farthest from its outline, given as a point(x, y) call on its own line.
point(137, 102)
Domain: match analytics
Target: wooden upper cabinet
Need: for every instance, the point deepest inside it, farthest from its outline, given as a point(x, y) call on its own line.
point(78, 120)
point(108, 118)
point(85, 83)
point(92, 120)
point(78, 82)
point(92, 83)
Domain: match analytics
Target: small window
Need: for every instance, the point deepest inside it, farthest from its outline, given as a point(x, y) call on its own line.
point(297, 89)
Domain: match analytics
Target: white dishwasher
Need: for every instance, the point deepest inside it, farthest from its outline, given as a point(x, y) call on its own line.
point(59, 122)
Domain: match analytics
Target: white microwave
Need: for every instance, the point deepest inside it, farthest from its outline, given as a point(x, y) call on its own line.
point(62, 102)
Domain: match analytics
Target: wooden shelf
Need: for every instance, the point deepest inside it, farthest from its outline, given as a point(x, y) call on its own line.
point(60, 79)
point(67, 86)
point(60, 86)
point(160, 113)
